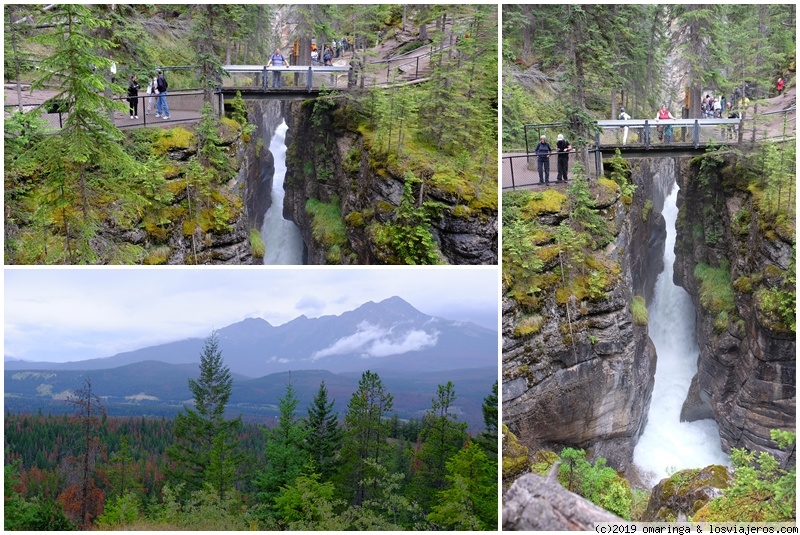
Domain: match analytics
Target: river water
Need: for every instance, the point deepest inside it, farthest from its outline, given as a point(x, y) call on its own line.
point(668, 444)
point(283, 242)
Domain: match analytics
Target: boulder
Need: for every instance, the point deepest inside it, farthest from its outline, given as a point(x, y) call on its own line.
point(685, 492)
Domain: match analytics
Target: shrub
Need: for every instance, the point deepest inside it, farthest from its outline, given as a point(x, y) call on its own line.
point(596, 482)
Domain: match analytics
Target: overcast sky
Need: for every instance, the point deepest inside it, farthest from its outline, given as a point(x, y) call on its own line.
point(74, 314)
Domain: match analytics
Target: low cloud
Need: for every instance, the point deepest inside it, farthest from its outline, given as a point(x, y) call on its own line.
point(373, 341)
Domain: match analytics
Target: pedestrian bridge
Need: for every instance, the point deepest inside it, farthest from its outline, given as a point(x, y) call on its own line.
point(297, 82)
point(645, 138)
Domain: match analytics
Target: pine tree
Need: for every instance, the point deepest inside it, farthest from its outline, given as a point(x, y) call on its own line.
point(365, 436)
point(286, 457)
point(324, 434)
point(206, 450)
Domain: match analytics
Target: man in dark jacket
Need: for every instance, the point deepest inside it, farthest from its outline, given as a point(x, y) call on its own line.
point(161, 104)
point(563, 147)
point(543, 151)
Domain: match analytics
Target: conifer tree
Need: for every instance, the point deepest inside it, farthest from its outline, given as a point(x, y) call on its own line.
point(442, 437)
point(286, 458)
point(206, 450)
point(365, 436)
point(324, 434)
point(488, 438)
point(470, 500)
point(84, 497)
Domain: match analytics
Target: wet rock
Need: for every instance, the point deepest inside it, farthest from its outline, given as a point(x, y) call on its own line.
point(686, 492)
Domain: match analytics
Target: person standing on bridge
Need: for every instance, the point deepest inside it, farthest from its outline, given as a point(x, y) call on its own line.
point(563, 147)
point(152, 89)
point(277, 60)
point(133, 97)
point(624, 117)
point(543, 151)
point(664, 113)
point(162, 110)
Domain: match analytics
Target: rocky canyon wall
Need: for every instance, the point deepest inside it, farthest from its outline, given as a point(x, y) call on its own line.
point(586, 377)
point(732, 259)
point(329, 161)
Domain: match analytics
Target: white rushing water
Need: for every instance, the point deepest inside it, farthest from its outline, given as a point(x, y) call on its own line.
point(282, 239)
point(668, 444)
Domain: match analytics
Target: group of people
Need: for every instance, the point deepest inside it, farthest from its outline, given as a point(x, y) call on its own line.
point(543, 151)
point(156, 88)
point(711, 107)
point(329, 51)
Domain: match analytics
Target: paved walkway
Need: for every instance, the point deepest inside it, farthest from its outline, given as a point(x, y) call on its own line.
point(178, 114)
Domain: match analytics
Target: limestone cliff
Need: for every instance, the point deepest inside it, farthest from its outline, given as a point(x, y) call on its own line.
point(734, 261)
point(577, 370)
point(348, 199)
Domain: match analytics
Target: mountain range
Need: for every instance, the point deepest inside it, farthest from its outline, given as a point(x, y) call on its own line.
point(390, 334)
point(411, 351)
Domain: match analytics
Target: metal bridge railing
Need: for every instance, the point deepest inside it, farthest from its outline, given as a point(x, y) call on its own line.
point(183, 105)
point(649, 132)
point(301, 77)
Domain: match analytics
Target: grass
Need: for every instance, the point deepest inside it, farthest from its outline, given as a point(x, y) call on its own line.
point(529, 325)
point(716, 290)
point(256, 244)
point(327, 225)
point(639, 310)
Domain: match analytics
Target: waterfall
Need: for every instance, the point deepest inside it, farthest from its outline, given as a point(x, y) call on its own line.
point(283, 242)
point(668, 444)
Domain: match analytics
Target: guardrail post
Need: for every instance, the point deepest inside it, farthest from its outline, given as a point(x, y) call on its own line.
point(646, 134)
point(265, 80)
point(696, 134)
point(350, 80)
point(598, 163)
point(308, 80)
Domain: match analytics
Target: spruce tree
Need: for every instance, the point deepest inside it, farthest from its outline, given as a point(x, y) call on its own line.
point(205, 448)
point(488, 438)
point(324, 434)
point(286, 458)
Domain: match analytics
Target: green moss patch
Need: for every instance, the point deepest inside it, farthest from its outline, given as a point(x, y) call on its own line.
point(177, 138)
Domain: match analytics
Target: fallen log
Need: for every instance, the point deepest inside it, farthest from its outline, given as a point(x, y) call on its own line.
point(535, 503)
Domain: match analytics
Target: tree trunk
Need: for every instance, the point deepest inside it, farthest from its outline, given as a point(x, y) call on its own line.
point(527, 29)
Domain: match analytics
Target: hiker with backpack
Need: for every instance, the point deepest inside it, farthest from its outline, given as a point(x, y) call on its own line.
point(277, 60)
point(162, 110)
